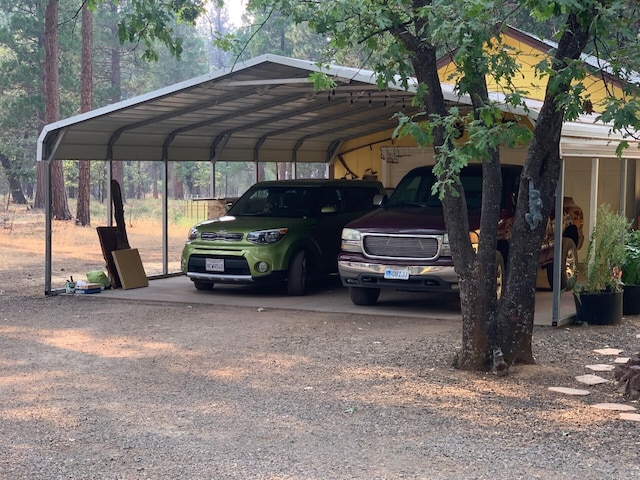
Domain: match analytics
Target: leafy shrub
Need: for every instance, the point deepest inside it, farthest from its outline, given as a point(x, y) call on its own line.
point(631, 264)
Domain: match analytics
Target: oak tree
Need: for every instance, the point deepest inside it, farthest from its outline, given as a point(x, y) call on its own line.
point(413, 35)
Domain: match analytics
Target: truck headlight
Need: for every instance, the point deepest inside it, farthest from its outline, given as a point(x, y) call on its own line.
point(351, 240)
point(446, 247)
point(267, 237)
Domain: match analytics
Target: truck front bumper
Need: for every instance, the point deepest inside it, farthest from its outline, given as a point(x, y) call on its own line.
point(422, 278)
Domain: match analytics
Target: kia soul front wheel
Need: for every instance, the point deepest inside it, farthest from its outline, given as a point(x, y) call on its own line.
point(297, 274)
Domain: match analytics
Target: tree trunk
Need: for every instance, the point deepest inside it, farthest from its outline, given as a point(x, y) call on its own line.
point(542, 167)
point(117, 168)
point(83, 214)
point(471, 268)
point(139, 193)
point(130, 182)
point(486, 322)
point(154, 179)
point(14, 181)
point(178, 188)
point(52, 114)
point(282, 170)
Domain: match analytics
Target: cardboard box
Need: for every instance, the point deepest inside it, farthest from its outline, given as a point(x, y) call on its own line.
point(130, 269)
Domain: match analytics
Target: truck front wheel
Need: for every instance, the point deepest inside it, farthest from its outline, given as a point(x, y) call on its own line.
point(569, 269)
point(364, 296)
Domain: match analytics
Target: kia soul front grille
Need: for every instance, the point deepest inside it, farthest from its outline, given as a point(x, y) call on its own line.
point(223, 236)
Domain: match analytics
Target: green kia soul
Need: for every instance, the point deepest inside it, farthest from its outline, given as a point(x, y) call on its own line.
point(278, 232)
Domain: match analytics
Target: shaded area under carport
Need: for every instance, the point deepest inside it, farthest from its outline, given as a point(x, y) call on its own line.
point(328, 296)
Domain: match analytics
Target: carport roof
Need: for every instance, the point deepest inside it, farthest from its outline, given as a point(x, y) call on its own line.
point(265, 109)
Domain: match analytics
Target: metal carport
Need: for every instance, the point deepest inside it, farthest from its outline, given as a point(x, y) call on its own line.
point(262, 110)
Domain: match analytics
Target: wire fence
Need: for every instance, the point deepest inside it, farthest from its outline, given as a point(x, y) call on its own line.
point(200, 209)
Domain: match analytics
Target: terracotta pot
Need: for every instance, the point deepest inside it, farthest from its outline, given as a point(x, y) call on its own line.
point(601, 308)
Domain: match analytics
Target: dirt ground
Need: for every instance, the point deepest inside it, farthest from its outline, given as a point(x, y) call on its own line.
point(96, 388)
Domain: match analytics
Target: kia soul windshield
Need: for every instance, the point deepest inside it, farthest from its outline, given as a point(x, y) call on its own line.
point(274, 201)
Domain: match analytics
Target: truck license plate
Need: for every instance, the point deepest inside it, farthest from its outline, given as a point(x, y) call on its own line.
point(396, 273)
point(214, 264)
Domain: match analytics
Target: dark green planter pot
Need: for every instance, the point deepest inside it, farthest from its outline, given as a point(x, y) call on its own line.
point(631, 301)
point(602, 308)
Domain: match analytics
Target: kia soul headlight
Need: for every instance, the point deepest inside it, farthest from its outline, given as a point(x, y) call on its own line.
point(193, 233)
point(267, 237)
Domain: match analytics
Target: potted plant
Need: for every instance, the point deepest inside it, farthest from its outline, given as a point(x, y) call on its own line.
point(599, 299)
point(631, 273)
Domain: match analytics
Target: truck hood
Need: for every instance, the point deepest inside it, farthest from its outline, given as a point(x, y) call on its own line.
point(408, 220)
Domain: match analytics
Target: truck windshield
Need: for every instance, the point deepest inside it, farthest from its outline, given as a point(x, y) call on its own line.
point(416, 189)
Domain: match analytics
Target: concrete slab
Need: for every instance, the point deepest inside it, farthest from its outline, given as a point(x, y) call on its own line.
point(328, 296)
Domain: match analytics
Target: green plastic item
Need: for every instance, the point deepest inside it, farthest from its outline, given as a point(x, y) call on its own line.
point(98, 276)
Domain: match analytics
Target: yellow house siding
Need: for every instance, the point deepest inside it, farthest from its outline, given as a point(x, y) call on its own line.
point(530, 52)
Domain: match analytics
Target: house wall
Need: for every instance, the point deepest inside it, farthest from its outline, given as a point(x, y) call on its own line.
point(529, 52)
point(364, 155)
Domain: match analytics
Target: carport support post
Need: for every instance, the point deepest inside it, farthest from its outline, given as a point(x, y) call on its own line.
point(47, 225)
point(109, 211)
point(622, 209)
point(557, 242)
point(593, 197)
point(165, 215)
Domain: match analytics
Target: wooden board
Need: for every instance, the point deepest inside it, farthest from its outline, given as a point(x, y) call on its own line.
point(109, 242)
point(130, 269)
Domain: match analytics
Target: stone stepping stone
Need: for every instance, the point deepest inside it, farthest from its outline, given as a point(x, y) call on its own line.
point(638, 335)
point(634, 417)
point(608, 351)
point(591, 379)
point(621, 360)
point(570, 391)
point(614, 406)
point(601, 367)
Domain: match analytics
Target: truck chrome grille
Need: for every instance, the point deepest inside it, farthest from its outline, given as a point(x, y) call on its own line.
point(401, 247)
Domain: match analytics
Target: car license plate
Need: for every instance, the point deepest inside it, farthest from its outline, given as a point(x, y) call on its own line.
point(396, 273)
point(214, 264)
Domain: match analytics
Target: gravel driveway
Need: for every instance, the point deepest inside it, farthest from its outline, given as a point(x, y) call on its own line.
point(96, 388)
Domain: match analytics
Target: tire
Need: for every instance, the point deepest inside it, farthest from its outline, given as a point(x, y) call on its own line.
point(569, 260)
point(201, 285)
point(364, 296)
point(297, 274)
point(501, 273)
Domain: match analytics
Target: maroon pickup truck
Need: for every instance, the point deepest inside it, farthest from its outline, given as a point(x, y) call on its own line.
point(403, 245)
